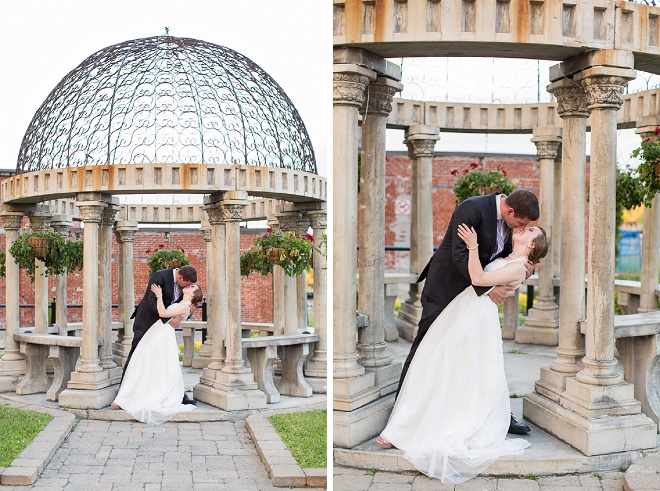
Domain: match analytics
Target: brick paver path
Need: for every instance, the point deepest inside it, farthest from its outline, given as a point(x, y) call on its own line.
point(128, 456)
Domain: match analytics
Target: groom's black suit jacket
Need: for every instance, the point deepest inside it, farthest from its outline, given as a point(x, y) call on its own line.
point(146, 313)
point(446, 273)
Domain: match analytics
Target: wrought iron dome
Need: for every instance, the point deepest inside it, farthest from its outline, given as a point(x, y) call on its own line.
point(166, 99)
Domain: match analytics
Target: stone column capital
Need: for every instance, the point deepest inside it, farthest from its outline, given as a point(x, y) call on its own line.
point(318, 219)
point(288, 220)
point(214, 214)
point(61, 228)
point(11, 220)
point(379, 96)
point(232, 210)
point(421, 148)
point(349, 83)
point(109, 215)
point(572, 100)
point(207, 233)
point(40, 221)
point(604, 86)
point(91, 211)
point(547, 149)
point(125, 234)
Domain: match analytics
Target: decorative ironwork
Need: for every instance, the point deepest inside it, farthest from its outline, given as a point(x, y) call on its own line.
point(166, 99)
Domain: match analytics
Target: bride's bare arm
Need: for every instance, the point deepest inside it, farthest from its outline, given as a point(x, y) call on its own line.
point(164, 312)
point(513, 273)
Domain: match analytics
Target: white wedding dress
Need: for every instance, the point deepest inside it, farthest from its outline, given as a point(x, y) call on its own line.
point(453, 412)
point(152, 389)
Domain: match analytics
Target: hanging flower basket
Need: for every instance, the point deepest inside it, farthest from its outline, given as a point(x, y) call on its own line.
point(162, 258)
point(41, 246)
point(477, 181)
point(648, 170)
point(172, 264)
point(274, 254)
point(291, 252)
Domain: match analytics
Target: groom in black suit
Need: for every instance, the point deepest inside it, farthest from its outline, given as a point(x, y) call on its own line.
point(493, 216)
point(172, 282)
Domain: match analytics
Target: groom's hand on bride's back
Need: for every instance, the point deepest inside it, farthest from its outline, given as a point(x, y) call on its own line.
point(529, 269)
point(498, 294)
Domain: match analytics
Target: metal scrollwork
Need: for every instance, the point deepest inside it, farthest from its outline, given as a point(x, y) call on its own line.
point(166, 99)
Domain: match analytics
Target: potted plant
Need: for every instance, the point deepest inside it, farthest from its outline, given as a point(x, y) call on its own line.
point(478, 182)
point(162, 258)
point(648, 171)
point(47, 246)
point(292, 252)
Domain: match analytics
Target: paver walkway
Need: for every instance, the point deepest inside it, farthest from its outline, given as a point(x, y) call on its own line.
point(346, 479)
point(131, 456)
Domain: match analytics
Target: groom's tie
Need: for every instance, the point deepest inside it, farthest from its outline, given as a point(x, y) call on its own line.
point(500, 238)
point(176, 292)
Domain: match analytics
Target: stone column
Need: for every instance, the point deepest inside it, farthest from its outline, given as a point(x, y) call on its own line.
point(105, 286)
point(288, 222)
point(61, 225)
point(317, 364)
point(233, 387)
point(91, 387)
point(572, 108)
point(542, 323)
point(205, 355)
point(420, 140)
point(301, 283)
point(125, 236)
point(349, 83)
point(597, 413)
point(648, 301)
point(371, 236)
point(556, 245)
point(40, 222)
point(12, 364)
point(278, 275)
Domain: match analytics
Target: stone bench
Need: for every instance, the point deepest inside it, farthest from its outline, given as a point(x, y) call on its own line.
point(189, 327)
point(292, 349)
point(636, 338)
point(62, 350)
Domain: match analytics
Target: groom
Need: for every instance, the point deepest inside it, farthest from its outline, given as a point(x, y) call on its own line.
point(494, 217)
point(172, 281)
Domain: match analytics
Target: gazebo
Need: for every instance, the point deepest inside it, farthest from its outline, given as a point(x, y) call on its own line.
point(163, 115)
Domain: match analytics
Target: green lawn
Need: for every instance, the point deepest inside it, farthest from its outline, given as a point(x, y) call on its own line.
point(17, 429)
point(304, 434)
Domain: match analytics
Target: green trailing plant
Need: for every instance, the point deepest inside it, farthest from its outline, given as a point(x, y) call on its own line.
point(476, 181)
point(75, 255)
point(24, 254)
point(162, 258)
point(648, 170)
point(3, 262)
point(292, 252)
point(322, 245)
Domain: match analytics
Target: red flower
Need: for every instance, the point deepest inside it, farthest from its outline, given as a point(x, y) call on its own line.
point(656, 131)
point(646, 140)
point(474, 165)
point(503, 171)
point(465, 171)
point(161, 246)
point(290, 235)
point(181, 249)
point(148, 251)
point(454, 172)
point(309, 237)
point(269, 230)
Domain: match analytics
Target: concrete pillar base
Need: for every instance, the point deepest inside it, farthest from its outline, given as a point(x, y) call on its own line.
point(317, 366)
point(510, 322)
point(546, 336)
point(593, 401)
point(357, 426)
point(11, 373)
point(406, 326)
point(373, 355)
point(8, 383)
point(352, 393)
point(319, 384)
point(201, 361)
point(552, 384)
point(229, 391)
point(95, 380)
point(591, 436)
point(120, 353)
point(88, 399)
point(387, 377)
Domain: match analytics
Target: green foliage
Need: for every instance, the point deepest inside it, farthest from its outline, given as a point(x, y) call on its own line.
point(292, 252)
point(56, 262)
point(478, 182)
point(532, 477)
point(162, 258)
point(649, 168)
point(3, 262)
point(75, 254)
point(304, 434)
point(17, 429)
point(598, 475)
point(623, 468)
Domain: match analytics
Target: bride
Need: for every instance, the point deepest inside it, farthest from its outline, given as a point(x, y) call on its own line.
point(153, 388)
point(453, 411)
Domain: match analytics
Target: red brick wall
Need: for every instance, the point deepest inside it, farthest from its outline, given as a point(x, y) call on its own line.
point(256, 290)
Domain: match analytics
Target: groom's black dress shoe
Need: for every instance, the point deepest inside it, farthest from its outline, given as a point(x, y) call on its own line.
point(518, 428)
point(188, 400)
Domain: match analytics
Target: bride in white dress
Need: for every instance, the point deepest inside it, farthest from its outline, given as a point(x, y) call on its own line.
point(453, 412)
point(153, 388)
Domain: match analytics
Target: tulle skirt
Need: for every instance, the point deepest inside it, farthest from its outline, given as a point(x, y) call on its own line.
point(152, 389)
point(453, 412)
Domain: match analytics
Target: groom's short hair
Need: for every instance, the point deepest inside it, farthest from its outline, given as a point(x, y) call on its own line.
point(525, 204)
point(188, 273)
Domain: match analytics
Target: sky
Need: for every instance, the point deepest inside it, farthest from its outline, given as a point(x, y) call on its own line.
point(42, 40)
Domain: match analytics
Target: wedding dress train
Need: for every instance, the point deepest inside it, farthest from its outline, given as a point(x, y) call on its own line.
point(452, 414)
point(152, 389)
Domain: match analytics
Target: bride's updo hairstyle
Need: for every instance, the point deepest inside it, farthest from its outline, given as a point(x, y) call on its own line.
point(198, 296)
point(541, 244)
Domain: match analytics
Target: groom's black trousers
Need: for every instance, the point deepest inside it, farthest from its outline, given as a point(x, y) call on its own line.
point(430, 311)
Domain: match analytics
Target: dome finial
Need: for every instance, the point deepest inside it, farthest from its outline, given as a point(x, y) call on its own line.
point(167, 30)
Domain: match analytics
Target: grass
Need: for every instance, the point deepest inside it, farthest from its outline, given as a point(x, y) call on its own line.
point(17, 429)
point(304, 434)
